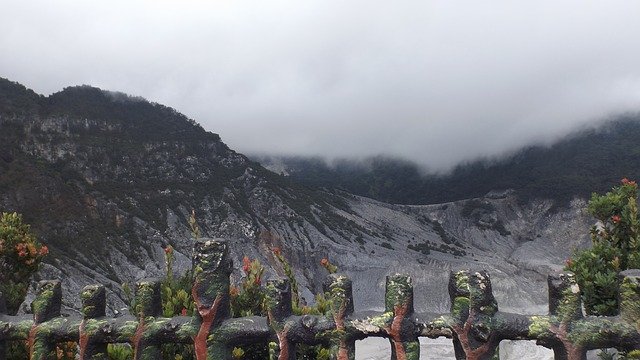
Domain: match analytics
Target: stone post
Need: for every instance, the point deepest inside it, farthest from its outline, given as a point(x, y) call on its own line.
point(566, 306)
point(148, 306)
point(94, 300)
point(45, 307)
point(211, 270)
point(629, 297)
point(398, 299)
point(473, 307)
point(278, 302)
point(629, 300)
point(340, 291)
point(3, 311)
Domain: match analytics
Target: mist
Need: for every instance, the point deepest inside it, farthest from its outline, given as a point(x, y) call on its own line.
point(437, 83)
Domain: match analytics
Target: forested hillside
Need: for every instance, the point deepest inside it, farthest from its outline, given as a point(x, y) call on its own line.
point(584, 162)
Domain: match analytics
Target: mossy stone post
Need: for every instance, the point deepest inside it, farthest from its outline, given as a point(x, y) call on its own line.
point(148, 306)
point(212, 267)
point(94, 299)
point(629, 300)
point(278, 304)
point(46, 306)
point(3, 311)
point(340, 291)
point(473, 307)
point(566, 307)
point(403, 335)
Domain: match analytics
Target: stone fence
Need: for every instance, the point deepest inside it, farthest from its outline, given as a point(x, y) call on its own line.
point(474, 324)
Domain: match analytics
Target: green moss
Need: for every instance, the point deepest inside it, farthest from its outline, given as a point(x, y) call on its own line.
point(399, 291)
point(382, 320)
point(412, 350)
point(441, 322)
point(489, 309)
point(39, 304)
point(598, 330)
point(187, 331)
point(147, 296)
point(460, 307)
point(331, 336)
point(197, 270)
point(150, 352)
point(633, 354)
point(43, 345)
point(630, 299)
point(569, 306)
point(271, 299)
point(17, 330)
point(462, 280)
point(539, 327)
point(155, 326)
point(128, 329)
point(93, 325)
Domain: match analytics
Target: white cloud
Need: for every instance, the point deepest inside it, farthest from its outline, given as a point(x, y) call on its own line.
point(436, 82)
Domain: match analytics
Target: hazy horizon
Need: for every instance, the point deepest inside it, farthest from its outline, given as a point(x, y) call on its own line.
point(435, 83)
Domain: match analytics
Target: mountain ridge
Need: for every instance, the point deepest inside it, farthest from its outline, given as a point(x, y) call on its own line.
point(106, 193)
point(586, 161)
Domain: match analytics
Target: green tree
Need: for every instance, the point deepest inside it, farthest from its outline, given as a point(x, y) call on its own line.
point(616, 245)
point(20, 257)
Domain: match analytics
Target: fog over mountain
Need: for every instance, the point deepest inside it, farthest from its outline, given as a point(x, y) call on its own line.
point(434, 82)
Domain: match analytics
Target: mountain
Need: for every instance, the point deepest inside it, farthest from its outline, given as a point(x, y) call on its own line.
point(590, 160)
point(107, 180)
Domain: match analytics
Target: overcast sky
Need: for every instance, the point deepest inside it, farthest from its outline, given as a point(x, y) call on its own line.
point(433, 81)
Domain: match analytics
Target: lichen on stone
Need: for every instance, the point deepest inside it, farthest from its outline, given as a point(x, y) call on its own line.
point(539, 327)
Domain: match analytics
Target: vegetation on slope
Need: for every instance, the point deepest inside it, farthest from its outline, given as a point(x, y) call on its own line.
point(590, 160)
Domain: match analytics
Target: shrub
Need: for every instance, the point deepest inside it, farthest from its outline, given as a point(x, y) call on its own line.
point(20, 256)
point(616, 245)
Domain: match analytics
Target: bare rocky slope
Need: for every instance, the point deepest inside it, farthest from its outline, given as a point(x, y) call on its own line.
point(108, 180)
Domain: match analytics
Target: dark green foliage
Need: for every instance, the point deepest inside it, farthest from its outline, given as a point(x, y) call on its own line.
point(248, 298)
point(476, 205)
point(134, 116)
point(20, 256)
point(596, 273)
point(427, 247)
point(616, 247)
point(424, 248)
point(437, 227)
point(386, 245)
point(119, 352)
point(15, 98)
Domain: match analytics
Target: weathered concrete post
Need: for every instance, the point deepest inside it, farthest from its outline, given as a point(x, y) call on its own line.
point(278, 303)
point(473, 307)
point(403, 336)
point(566, 306)
point(340, 291)
point(629, 298)
point(211, 270)
point(3, 311)
point(45, 307)
point(148, 306)
point(629, 302)
point(94, 299)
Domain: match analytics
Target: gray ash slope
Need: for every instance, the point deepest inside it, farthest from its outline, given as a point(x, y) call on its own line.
point(108, 180)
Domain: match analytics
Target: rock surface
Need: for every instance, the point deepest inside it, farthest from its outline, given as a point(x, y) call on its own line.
point(107, 181)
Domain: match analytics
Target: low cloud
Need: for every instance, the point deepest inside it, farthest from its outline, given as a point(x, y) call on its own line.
point(434, 82)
